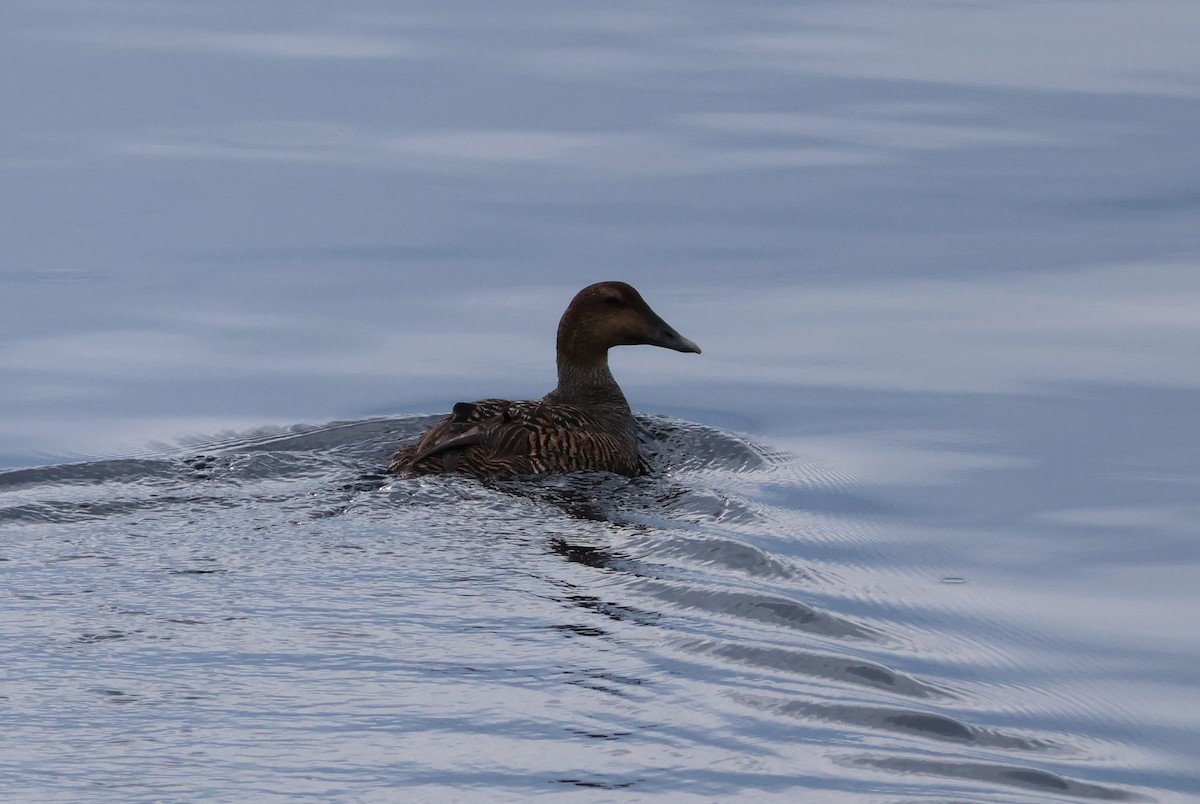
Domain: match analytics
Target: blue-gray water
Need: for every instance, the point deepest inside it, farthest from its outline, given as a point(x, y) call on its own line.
point(923, 525)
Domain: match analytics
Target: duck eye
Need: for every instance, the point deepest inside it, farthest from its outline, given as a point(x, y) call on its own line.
point(612, 300)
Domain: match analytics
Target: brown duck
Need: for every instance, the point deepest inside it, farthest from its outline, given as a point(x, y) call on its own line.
point(583, 424)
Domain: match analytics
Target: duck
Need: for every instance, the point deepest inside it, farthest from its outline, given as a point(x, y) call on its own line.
point(584, 424)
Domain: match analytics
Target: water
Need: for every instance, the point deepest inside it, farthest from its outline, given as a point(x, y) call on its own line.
point(923, 523)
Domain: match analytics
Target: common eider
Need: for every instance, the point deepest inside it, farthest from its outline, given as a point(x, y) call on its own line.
point(583, 424)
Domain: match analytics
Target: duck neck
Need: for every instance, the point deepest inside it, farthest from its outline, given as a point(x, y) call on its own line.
point(588, 382)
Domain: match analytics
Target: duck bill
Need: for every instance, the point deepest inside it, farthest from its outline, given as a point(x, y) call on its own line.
point(668, 338)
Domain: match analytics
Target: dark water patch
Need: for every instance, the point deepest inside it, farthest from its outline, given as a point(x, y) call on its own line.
point(1033, 779)
point(89, 473)
point(105, 636)
point(760, 608)
point(937, 726)
point(594, 784)
point(930, 725)
point(590, 555)
point(574, 629)
point(620, 612)
point(600, 735)
point(602, 681)
point(811, 664)
point(117, 696)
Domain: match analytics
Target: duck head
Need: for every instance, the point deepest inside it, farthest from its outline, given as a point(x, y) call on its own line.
point(611, 314)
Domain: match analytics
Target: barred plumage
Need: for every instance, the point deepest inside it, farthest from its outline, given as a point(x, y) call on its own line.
point(583, 424)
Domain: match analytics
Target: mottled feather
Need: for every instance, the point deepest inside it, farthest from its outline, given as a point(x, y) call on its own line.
point(499, 438)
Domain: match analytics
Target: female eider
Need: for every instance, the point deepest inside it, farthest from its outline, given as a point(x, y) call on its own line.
point(583, 424)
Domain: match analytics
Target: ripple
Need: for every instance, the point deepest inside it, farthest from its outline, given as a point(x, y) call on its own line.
point(730, 605)
point(758, 608)
point(928, 725)
point(846, 670)
point(1002, 775)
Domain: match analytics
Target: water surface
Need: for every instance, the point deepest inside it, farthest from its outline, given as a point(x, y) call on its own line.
point(923, 522)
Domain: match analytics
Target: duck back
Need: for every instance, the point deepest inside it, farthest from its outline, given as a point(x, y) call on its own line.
point(500, 438)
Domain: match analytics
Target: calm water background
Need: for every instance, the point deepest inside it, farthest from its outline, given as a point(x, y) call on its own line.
point(925, 527)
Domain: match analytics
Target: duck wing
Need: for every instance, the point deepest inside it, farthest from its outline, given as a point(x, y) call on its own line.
point(499, 438)
point(446, 440)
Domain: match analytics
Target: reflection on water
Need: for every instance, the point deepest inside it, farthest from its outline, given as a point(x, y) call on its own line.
point(942, 258)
